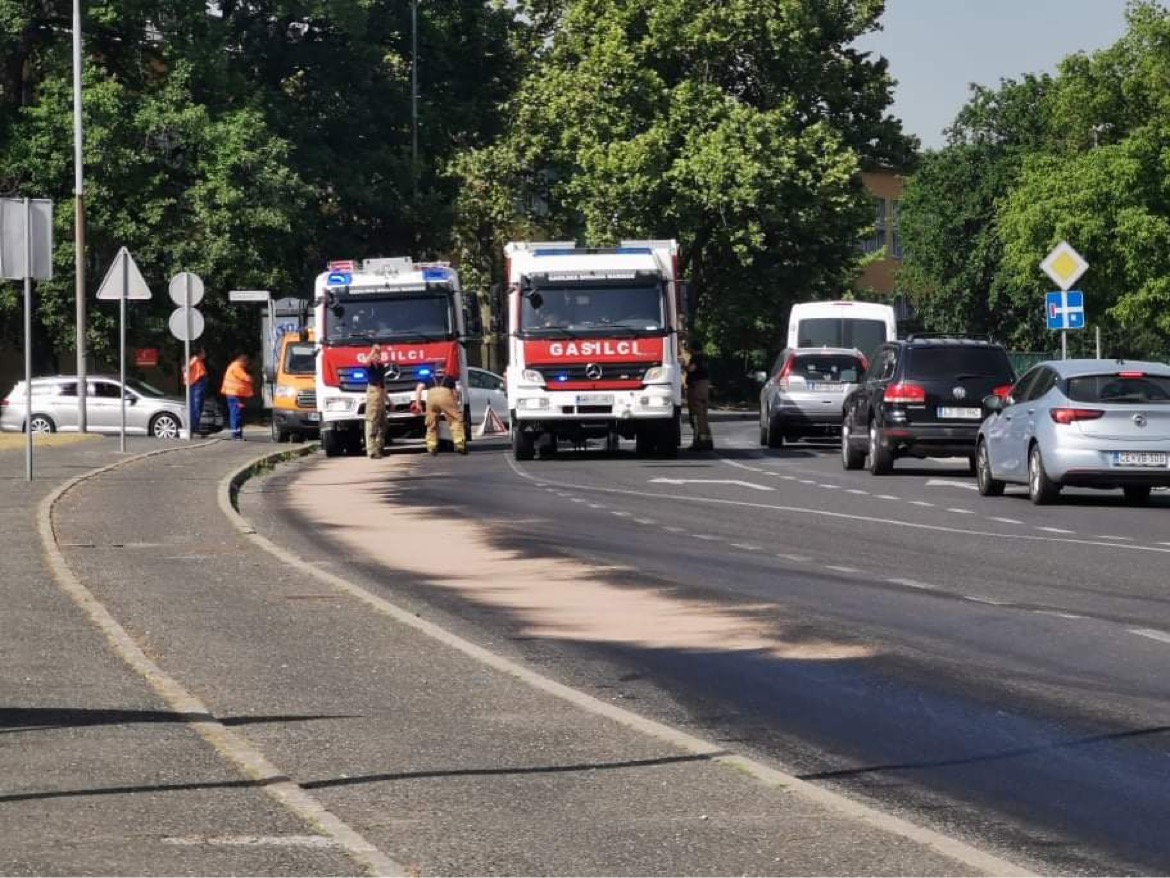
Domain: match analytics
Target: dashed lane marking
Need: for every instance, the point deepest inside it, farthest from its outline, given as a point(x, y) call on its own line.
point(887, 497)
point(799, 559)
point(855, 491)
point(979, 599)
point(747, 547)
point(921, 503)
point(645, 521)
point(960, 511)
point(1059, 613)
point(596, 506)
point(913, 583)
point(840, 568)
point(1107, 537)
point(708, 537)
point(829, 487)
point(621, 514)
point(1055, 530)
point(1151, 633)
point(579, 500)
point(1004, 520)
point(674, 530)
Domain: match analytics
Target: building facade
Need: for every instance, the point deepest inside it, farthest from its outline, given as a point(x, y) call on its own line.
point(885, 188)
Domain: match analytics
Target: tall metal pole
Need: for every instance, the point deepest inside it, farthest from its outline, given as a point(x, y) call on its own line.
point(191, 426)
point(1098, 341)
point(122, 346)
point(414, 97)
point(79, 220)
point(28, 409)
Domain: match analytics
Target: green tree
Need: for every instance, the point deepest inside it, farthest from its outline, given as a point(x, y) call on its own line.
point(738, 128)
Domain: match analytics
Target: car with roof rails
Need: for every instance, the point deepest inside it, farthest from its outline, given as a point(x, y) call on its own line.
point(922, 396)
point(803, 393)
point(149, 411)
point(1081, 423)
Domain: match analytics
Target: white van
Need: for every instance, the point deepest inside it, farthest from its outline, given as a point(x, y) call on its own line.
point(842, 324)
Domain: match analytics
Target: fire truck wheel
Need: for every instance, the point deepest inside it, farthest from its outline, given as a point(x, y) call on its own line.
point(523, 446)
point(331, 443)
point(644, 441)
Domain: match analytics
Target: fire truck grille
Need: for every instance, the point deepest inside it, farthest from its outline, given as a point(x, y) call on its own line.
point(588, 372)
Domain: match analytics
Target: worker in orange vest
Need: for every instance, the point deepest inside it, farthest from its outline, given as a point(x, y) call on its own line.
point(237, 387)
point(196, 378)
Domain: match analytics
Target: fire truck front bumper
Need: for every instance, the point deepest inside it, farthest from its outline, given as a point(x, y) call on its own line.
point(647, 403)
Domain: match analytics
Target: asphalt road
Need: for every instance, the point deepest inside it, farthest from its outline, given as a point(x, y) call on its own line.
point(987, 667)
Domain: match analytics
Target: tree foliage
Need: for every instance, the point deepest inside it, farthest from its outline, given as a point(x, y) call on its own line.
point(1082, 157)
point(738, 128)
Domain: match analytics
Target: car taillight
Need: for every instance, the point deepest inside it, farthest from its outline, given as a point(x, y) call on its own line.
point(905, 393)
point(1003, 391)
point(1067, 416)
point(1131, 374)
point(781, 379)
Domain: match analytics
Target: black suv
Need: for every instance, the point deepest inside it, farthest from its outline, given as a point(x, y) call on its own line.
point(922, 397)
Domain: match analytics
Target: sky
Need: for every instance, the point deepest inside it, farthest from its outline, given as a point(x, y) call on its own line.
point(936, 48)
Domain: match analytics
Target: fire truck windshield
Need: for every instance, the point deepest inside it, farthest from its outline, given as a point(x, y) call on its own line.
point(583, 310)
point(390, 317)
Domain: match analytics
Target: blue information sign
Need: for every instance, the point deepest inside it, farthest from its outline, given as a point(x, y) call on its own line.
point(1065, 310)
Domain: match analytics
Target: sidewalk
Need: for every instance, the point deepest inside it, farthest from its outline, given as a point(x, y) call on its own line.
point(442, 763)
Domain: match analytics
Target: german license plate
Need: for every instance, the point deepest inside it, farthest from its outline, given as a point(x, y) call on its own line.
point(1141, 458)
point(960, 412)
point(595, 399)
point(823, 386)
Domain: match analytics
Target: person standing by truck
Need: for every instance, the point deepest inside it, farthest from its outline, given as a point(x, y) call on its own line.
point(698, 397)
point(443, 398)
point(238, 388)
point(195, 378)
point(376, 362)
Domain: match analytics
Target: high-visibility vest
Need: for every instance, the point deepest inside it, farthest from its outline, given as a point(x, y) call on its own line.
point(237, 381)
point(196, 371)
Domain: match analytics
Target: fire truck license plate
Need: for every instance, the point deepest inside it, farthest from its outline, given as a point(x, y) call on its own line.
point(595, 399)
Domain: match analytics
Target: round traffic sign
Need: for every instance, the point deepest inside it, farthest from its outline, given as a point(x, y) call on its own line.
point(179, 323)
point(179, 285)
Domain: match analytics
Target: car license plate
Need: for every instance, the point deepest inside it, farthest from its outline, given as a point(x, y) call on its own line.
point(595, 399)
point(314, 416)
point(1141, 458)
point(957, 412)
point(823, 386)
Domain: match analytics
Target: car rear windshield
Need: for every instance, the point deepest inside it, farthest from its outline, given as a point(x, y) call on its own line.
point(956, 362)
point(828, 367)
point(1137, 389)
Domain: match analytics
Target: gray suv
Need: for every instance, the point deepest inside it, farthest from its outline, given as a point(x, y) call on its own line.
point(149, 411)
point(804, 393)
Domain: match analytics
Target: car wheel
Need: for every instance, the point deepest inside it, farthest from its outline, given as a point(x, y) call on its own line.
point(1041, 489)
point(988, 485)
point(523, 445)
point(1137, 495)
point(763, 429)
point(42, 424)
point(165, 426)
point(331, 443)
point(775, 433)
point(851, 458)
point(278, 435)
point(880, 458)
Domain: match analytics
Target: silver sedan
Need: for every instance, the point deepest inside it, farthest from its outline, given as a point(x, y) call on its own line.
point(1083, 423)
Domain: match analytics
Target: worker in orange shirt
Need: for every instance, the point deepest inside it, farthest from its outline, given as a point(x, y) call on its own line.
point(237, 387)
point(196, 378)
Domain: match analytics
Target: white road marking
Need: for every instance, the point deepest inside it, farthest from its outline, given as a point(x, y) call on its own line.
point(921, 503)
point(645, 521)
point(1164, 544)
point(579, 500)
point(961, 511)
point(1107, 537)
point(747, 547)
point(855, 491)
point(665, 481)
point(1055, 530)
point(799, 559)
point(829, 487)
point(806, 481)
point(841, 569)
point(950, 483)
point(887, 497)
point(596, 506)
point(1005, 520)
point(1059, 614)
point(620, 514)
point(271, 841)
point(982, 600)
point(1151, 633)
point(913, 583)
point(673, 529)
point(707, 537)
point(854, 517)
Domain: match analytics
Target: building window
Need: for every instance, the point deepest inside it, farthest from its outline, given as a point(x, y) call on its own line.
point(877, 240)
point(895, 230)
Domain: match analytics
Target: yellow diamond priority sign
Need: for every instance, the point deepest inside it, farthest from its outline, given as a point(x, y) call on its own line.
point(1064, 265)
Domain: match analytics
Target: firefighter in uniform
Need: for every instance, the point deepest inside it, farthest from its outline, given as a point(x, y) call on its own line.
point(698, 397)
point(443, 398)
point(376, 401)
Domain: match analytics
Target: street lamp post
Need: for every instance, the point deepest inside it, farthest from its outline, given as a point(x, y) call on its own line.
point(79, 219)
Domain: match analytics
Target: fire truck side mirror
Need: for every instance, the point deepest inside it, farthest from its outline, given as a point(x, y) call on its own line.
point(472, 317)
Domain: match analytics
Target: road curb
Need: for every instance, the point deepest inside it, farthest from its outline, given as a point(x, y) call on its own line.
point(232, 746)
point(967, 855)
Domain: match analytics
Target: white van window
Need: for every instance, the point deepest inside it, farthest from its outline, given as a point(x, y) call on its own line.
point(839, 332)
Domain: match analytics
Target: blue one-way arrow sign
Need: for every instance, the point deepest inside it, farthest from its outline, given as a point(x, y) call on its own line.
point(1065, 310)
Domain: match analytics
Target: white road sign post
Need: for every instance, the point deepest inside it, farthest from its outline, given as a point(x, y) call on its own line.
point(186, 291)
point(26, 248)
point(123, 282)
point(1065, 266)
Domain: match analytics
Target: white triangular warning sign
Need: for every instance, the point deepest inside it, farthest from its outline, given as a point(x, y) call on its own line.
point(491, 426)
point(124, 275)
